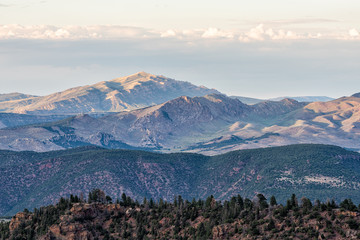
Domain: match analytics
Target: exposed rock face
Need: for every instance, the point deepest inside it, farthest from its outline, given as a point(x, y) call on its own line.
point(125, 93)
point(72, 226)
point(18, 219)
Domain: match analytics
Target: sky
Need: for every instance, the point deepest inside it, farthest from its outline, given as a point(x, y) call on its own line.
point(253, 48)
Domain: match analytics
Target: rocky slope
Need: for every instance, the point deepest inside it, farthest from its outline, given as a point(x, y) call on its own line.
point(125, 93)
point(32, 179)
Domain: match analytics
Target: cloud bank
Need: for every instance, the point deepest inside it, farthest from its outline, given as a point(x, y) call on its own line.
point(257, 33)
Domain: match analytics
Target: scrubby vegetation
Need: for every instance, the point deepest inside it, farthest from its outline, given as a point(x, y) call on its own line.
point(238, 218)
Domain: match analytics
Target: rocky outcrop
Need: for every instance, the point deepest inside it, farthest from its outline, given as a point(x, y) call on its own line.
point(82, 217)
point(18, 219)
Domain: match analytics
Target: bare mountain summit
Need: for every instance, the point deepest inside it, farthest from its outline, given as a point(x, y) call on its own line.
point(120, 94)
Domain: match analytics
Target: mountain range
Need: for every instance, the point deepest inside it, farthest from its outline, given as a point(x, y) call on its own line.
point(122, 94)
point(211, 124)
point(174, 125)
point(66, 143)
point(149, 112)
point(31, 179)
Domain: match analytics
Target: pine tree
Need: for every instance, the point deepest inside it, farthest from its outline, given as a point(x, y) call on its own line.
point(273, 201)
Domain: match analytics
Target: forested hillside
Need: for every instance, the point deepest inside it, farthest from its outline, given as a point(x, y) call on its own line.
point(322, 172)
point(236, 218)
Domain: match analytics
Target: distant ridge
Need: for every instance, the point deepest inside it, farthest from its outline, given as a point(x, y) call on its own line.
point(251, 101)
point(306, 98)
point(121, 94)
point(248, 100)
point(14, 96)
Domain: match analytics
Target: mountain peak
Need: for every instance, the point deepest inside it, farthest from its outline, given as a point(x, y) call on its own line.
point(142, 74)
point(129, 82)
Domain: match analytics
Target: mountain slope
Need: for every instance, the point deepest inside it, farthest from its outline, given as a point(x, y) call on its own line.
point(125, 93)
point(211, 124)
point(174, 125)
point(14, 96)
point(32, 179)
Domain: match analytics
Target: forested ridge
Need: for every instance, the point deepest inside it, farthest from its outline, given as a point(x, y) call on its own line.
point(322, 172)
point(100, 217)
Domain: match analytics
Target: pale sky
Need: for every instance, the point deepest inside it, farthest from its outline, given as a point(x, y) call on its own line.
point(248, 48)
point(165, 14)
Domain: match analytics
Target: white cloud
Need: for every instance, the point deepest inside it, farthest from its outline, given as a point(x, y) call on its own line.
point(168, 33)
point(353, 33)
point(258, 33)
point(217, 33)
point(71, 32)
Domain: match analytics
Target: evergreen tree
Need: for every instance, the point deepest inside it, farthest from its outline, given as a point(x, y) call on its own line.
point(347, 204)
point(240, 201)
point(262, 201)
point(273, 201)
point(271, 225)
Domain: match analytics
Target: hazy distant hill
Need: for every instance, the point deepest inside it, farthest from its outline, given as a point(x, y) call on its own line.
point(248, 100)
point(125, 93)
point(8, 120)
point(251, 101)
point(306, 98)
point(31, 179)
